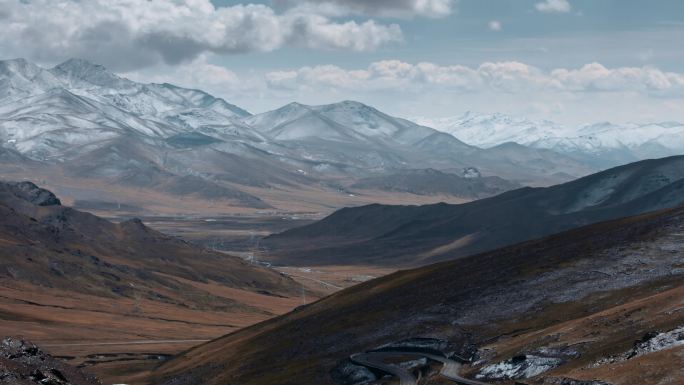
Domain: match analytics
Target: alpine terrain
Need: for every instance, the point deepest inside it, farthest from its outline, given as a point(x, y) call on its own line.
point(603, 144)
point(92, 135)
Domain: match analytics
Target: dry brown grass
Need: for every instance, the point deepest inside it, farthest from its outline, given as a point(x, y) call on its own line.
point(57, 319)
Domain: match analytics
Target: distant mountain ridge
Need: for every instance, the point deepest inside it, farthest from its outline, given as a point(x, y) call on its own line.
point(432, 182)
point(604, 143)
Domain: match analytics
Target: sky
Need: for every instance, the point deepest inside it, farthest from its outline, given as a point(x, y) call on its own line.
point(570, 61)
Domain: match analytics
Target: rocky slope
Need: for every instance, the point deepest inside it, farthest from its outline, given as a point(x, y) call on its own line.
point(49, 245)
point(23, 363)
point(414, 235)
point(558, 310)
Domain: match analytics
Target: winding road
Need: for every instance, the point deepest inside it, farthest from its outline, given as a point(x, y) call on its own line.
point(376, 360)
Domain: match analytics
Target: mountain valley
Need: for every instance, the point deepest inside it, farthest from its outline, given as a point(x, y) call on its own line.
point(76, 283)
point(158, 235)
point(560, 308)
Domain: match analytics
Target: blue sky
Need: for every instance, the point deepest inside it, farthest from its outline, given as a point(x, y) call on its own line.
point(571, 61)
point(613, 32)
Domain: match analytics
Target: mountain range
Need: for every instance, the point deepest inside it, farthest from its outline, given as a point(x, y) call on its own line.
point(603, 144)
point(414, 235)
point(80, 120)
point(554, 276)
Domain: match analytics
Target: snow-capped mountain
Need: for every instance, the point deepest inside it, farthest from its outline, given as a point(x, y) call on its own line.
point(344, 121)
point(43, 111)
point(605, 144)
point(490, 130)
point(96, 124)
point(353, 136)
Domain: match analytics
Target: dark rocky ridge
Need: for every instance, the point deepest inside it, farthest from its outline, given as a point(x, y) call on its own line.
point(23, 363)
point(417, 235)
point(49, 245)
point(33, 194)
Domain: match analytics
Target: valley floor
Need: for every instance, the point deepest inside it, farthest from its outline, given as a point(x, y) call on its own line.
point(121, 339)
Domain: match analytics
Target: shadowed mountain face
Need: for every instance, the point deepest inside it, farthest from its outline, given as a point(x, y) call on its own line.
point(91, 124)
point(569, 306)
point(414, 235)
point(47, 245)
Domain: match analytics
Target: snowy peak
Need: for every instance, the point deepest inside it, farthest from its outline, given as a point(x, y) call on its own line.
point(178, 98)
point(606, 144)
point(491, 130)
point(46, 112)
point(20, 78)
point(363, 118)
point(347, 120)
point(284, 114)
point(80, 73)
point(19, 67)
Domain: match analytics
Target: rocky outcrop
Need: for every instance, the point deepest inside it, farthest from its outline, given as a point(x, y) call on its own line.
point(33, 194)
point(528, 363)
point(23, 363)
point(522, 366)
point(651, 342)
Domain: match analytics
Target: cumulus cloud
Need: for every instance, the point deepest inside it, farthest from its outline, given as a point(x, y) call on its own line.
point(129, 34)
point(596, 77)
point(553, 6)
point(508, 77)
point(199, 73)
point(382, 8)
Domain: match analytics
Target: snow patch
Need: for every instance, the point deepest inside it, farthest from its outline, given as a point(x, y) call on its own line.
point(523, 366)
point(650, 343)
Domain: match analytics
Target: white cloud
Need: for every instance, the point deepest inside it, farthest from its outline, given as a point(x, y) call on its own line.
point(508, 77)
point(494, 25)
point(569, 95)
point(553, 6)
point(130, 34)
point(596, 77)
point(382, 8)
point(201, 74)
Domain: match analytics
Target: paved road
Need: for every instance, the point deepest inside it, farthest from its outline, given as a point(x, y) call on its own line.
point(451, 369)
point(375, 360)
